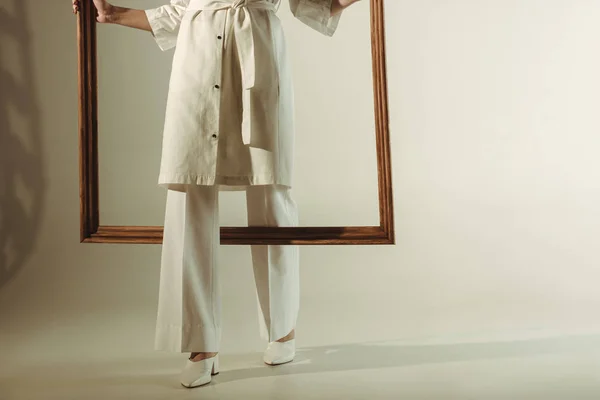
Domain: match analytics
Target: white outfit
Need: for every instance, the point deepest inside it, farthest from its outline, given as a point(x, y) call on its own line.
point(228, 126)
point(229, 115)
point(189, 308)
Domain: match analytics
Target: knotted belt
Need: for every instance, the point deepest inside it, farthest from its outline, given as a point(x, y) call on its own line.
point(244, 38)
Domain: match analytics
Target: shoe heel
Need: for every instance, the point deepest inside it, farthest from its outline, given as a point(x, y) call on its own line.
point(195, 373)
point(215, 367)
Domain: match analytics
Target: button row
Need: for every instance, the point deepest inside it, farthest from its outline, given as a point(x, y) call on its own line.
point(217, 86)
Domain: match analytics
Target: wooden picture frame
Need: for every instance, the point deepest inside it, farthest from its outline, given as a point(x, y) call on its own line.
point(91, 231)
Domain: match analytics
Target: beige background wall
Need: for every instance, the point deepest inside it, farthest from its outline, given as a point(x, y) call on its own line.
point(495, 139)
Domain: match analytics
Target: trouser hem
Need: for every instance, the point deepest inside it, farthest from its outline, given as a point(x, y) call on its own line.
point(187, 338)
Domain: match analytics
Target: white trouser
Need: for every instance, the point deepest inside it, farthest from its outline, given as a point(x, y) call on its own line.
point(189, 301)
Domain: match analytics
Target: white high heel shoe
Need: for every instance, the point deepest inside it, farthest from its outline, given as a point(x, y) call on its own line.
point(280, 352)
point(198, 373)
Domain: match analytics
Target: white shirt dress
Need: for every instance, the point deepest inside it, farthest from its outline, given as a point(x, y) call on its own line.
point(229, 117)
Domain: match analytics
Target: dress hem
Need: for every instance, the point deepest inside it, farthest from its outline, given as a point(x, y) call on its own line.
point(178, 182)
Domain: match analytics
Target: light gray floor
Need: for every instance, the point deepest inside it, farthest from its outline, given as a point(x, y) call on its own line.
point(561, 368)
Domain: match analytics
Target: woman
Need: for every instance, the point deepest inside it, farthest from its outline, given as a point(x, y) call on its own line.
point(228, 126)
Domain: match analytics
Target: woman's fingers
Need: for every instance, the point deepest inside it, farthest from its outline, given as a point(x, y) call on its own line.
point(75, 6)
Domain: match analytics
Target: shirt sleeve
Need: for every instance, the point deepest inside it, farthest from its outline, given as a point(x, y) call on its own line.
point(316, 14)
point(165, 21)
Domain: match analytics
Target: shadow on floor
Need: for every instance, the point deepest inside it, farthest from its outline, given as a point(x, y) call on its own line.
point(95, 375)
point(384, 355)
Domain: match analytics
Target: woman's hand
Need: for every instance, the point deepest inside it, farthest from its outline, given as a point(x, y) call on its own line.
point(105, 10)
point(337, 6)
point(109, 14)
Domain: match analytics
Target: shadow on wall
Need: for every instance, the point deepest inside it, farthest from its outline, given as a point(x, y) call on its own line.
point(22, 184)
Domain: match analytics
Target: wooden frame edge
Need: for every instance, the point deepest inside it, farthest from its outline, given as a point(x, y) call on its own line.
point(252, 235)
point(88, 112)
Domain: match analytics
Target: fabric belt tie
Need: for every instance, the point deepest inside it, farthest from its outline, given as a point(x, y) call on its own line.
point(244, 38)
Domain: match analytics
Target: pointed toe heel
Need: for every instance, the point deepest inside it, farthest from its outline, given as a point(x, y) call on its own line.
point(199, 373)
point(280, 352)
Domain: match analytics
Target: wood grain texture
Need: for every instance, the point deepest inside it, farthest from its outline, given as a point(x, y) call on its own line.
point(251, 235)
point(382, 124)
point(93, 232)
point(88, 118)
